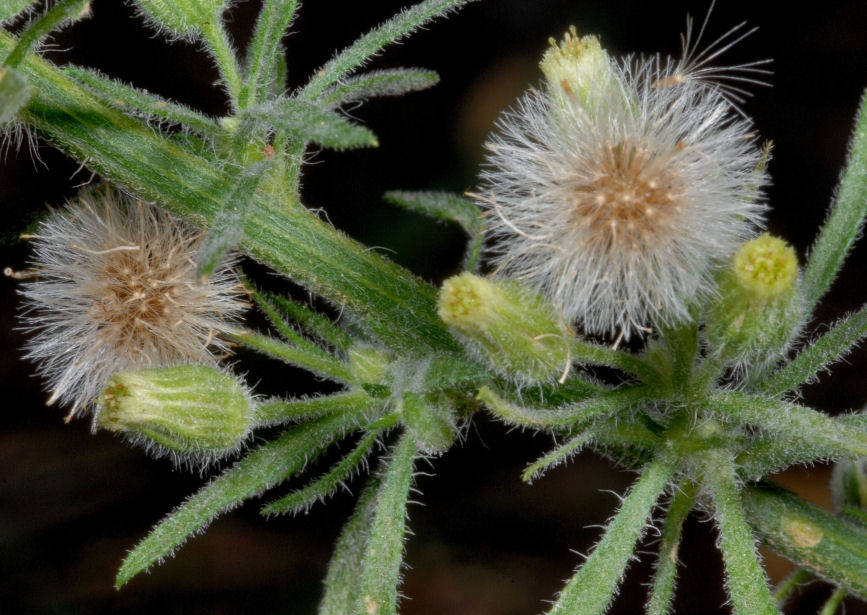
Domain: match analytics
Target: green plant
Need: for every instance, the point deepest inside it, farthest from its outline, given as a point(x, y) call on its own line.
point(703, 411)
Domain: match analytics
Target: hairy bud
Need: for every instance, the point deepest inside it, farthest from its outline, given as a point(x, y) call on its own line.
point(512, 328)
point(192, 412)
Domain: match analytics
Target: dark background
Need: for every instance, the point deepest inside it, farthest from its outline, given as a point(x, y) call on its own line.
point(73, 503)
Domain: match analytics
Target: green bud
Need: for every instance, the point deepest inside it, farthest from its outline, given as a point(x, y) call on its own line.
point(183, 18)
point(512, 328)
point(431, 425)
point(369, 364)
point(578, 68)
point(192, 412)
point(849, 489)
point(761, 307)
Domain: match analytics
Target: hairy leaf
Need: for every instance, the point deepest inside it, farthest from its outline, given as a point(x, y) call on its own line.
point(380, 569)
point(370, 44)
point(845, 220)
point(389, 82)
point(261, 469)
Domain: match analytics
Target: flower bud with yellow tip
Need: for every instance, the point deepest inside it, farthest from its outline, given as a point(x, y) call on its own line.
point(510, 327)
point(193, 413)
point(761, 306)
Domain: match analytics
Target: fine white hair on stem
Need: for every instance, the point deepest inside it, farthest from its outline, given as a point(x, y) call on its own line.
point(115, 289)
point(618, 201)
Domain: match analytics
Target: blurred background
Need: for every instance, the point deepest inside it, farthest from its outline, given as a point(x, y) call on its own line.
point(72, 503)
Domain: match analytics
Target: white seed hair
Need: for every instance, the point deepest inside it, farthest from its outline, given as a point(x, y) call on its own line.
point(115, 289)
point(619, 207)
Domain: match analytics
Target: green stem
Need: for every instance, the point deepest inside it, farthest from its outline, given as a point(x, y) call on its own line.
point(592, 587)
point(280, 411)
point(745, 577)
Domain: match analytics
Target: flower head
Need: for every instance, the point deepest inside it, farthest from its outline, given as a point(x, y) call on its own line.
point(116, 289)
point(616, 189)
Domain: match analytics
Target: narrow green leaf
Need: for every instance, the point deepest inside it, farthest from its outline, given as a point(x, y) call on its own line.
point(845, 220)
point(14, 93)
point(265, 53)
point(609, 402)
point(316, 362)
point(594, 584)
point(275, 412)
point(558, 455)
point(812, 538)
point(746, 581)
point(261, 469)
point(797, 423)
point(380, 570)
point(818, 355)
point(61, 14)
point(372, 43)
point(789, 585)
point(310, 122)
point(131, 100)
point(286, 329)
point(342, 582)
point(447, 206)
point(227, 230)
point(324, 486)
point(766, 455)
point(662, 589)
point(834, 601)
point(597, 354)
point(389, 82)
point(315, 323)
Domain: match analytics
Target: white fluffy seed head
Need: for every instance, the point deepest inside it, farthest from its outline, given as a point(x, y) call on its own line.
point(115, 288)
point(617, 202)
